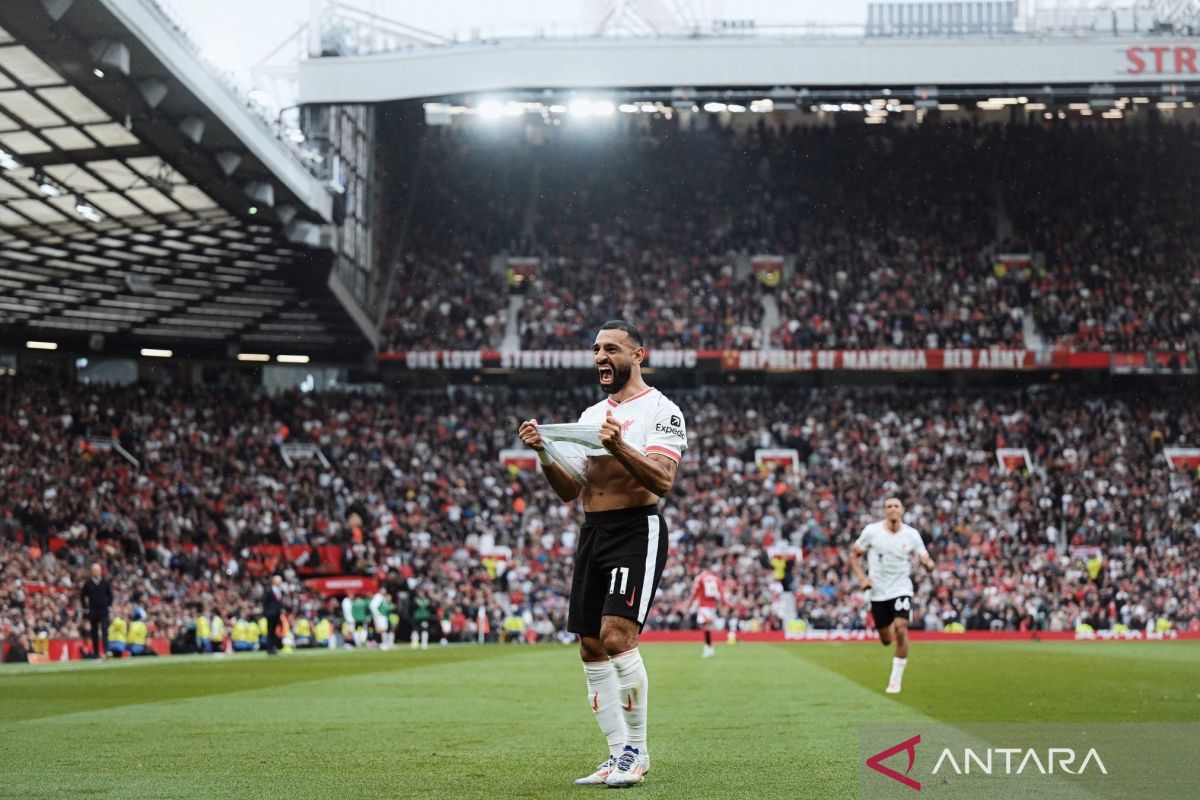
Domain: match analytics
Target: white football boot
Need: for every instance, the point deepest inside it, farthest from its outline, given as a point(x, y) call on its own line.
point(600, 775)
point(631, 766)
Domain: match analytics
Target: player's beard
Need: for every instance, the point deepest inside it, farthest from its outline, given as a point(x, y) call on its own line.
point(621, 375)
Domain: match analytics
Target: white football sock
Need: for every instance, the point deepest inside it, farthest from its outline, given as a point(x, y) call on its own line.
point(424, 639)
point(898, 665)
point(604, 700)
point(415, 639)
point(633, 697)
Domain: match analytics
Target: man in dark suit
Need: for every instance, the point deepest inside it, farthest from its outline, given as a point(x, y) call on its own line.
point(272, 609)
point(97, 598)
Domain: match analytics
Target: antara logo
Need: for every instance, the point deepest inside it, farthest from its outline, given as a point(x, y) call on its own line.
point(875, 762)
point(990, 761)
point(1023, 759)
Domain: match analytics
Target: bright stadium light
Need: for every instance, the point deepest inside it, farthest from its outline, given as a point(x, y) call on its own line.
point(88, 211)
point(735, 108)
point(48, 187)
point(253, 357)
point(627, 108)
point(714, 108)
point(580, 108)
point(603, 108)
point(8, 161)
point(154, 352)
point(292, 359)
point(491, 109)
point(34, 345)
point(513, 109)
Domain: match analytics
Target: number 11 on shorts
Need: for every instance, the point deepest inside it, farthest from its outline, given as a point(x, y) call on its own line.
point(612, 583)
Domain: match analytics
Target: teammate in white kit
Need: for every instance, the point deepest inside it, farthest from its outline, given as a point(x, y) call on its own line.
point(889, 546)
point(622, 546)
point(380, 606)
point(708, 595)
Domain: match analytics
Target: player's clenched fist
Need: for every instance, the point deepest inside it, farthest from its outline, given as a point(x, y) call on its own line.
point(529, 434)
point(610, 433)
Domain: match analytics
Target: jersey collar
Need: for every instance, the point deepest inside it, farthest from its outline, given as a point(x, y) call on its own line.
point(626, 402)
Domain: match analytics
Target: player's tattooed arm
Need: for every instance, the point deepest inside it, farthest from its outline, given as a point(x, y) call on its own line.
point(655, 472)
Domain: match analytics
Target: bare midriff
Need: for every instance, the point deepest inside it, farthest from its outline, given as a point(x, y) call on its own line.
point(610, 486)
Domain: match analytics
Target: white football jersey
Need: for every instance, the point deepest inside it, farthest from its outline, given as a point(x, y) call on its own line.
point(650, 423)
point(889, 558)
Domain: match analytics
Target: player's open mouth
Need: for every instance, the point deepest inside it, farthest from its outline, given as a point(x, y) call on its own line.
point(605, 372)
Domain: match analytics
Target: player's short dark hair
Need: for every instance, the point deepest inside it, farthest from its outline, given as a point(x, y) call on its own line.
point(635, 335)
point(897, 497)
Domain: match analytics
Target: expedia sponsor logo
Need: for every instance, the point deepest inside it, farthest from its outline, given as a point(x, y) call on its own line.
point(671, 429)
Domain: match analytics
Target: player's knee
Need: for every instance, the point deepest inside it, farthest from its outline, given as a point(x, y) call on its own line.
point(616, 642)
point(618, 638)
point(591, 649)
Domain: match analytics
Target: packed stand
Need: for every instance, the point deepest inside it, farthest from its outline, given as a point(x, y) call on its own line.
point(415, 496)
point(892, 235)
point(1113, 219)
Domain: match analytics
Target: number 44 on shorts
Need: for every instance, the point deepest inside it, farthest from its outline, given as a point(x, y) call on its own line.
point(612, 582)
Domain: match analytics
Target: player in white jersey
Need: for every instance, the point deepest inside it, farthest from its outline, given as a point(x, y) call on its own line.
point(889, 547)
point(379, 617)
point(622, 545)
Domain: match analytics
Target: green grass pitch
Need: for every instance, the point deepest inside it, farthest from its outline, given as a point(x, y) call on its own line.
point(757, 720)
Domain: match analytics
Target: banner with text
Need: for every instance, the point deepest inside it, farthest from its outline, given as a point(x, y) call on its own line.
point(783, 360)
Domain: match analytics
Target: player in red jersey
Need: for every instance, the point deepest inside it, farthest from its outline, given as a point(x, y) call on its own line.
point(708, 596)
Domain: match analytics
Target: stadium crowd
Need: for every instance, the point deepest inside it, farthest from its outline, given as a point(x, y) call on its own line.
point(1101, 532)
point(892, 237)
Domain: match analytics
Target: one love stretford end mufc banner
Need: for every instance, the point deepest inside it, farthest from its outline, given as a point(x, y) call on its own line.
point(804, 360)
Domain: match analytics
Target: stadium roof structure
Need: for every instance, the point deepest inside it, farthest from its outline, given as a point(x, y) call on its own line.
point(756, 67)
point(143, 205)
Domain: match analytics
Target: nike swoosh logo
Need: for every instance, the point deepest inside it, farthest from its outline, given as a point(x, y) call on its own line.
point(596, 702)
point(629, 602)
point(628, 702)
